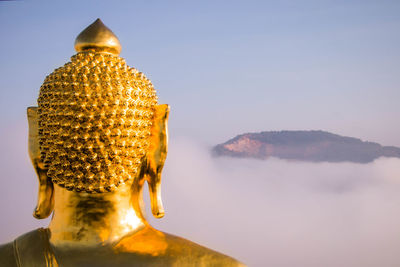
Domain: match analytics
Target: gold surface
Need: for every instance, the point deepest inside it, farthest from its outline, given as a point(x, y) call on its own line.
point(97, 136)
point(45, 203)
point(95, 119)
point(99, 38)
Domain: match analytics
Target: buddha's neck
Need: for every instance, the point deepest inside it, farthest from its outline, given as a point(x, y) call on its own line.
point(82, 219)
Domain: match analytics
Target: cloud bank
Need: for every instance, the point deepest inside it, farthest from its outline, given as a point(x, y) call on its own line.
point(281, 213)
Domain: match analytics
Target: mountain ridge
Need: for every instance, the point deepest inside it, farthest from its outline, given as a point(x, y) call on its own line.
point(313, 145)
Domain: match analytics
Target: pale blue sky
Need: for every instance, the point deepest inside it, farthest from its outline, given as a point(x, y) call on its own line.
point(226, 67)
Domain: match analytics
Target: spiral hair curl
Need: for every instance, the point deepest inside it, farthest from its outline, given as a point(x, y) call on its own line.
point(95, 118)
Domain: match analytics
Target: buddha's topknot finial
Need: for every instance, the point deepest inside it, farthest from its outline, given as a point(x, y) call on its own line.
point(99, 38)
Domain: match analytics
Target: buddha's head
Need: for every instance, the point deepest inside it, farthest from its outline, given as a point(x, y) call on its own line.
point(97, 126)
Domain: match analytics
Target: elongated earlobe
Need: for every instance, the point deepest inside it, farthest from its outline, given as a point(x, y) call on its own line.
point(155, 158)
point(152, 165)
point(45, 202)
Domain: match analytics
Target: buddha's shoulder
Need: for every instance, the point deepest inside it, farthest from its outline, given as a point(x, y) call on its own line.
point(27, 247)
point(7, 255)
point(148, 247)
point(189, 251)
point(173, 250)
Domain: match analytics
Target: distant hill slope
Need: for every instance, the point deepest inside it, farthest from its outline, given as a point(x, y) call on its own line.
point(316, 146)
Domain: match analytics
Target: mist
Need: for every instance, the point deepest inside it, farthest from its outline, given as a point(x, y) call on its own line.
point(263, 213)
point(282, 213)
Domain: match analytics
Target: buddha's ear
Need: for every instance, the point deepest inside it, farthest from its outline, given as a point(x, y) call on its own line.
point(45, 202)
point(155, 158)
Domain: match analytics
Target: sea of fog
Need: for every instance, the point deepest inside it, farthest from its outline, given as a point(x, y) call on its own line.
point(284, 213)
point(264, 213)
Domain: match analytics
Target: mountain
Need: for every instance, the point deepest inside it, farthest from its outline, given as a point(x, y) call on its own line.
point(315, 146)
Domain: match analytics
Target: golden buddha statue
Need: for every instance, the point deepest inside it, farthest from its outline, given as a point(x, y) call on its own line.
point(95, 138)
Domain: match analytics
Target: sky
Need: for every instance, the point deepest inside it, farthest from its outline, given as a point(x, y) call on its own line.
point(226, 68)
